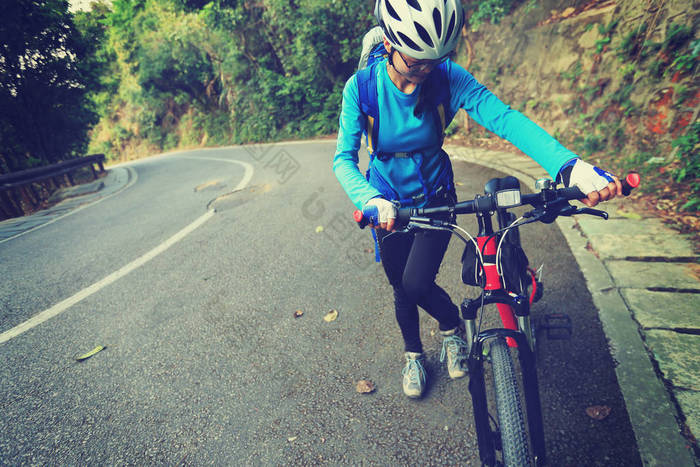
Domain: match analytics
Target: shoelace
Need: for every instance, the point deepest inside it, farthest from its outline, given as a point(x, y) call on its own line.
point(454, 343)
point(413, 368)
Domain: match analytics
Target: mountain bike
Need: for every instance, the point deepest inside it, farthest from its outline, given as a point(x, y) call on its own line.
point(495, 262)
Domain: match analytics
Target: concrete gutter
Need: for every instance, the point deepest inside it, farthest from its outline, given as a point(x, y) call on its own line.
point(640, 275)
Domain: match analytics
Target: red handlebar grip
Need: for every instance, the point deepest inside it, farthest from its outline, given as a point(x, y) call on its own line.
point(632, 180)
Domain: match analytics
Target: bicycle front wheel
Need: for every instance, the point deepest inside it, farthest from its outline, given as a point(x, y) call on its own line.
point(511, 422)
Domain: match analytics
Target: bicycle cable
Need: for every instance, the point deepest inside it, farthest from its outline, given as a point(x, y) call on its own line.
point(498, 250)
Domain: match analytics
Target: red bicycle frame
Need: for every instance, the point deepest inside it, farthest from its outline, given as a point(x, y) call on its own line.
point(487, 242)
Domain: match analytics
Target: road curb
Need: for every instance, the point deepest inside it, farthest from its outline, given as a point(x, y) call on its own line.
point(651, 408)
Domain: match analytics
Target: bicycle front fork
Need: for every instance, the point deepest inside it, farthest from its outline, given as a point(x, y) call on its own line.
point(509, 305)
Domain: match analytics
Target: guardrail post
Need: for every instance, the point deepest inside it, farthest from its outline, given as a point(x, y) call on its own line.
point(17, 203)
point(25, 197)
point(8, 205)
point(36, 197)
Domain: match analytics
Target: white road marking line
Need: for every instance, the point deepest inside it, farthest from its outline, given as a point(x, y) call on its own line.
point(83, 294)
point(248, 168)
point(137, 263)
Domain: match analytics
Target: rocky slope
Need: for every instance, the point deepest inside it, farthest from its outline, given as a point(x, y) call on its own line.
point(616, 81)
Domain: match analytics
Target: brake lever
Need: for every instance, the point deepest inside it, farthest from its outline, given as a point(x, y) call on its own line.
point(549, 213)
point(592, 212)
point(412, 227)
point(569, 210)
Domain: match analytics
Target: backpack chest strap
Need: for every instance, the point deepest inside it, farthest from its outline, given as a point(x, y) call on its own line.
point(373, 130)
point(384, 156)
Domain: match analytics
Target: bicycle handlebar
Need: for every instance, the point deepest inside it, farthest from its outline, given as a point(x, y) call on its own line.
point(487, 203)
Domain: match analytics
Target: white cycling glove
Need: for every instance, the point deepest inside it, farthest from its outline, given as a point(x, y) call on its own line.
point(586, 177)
point(385, 209)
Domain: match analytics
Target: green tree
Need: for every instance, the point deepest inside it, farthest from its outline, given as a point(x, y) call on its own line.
point(98, 66)
point(45, 116)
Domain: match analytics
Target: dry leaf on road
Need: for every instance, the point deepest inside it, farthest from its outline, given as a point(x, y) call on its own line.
point(364, 386)
point(331, 316)
point(598, 412)
point(298, 314)
point(85, 356)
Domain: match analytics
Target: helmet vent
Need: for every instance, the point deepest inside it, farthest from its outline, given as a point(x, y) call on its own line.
point(414, 4)
point(437, 19)
point(423, 34)
point(391, 11)
point(409, 42)
point(392, 37)
point(451, 27)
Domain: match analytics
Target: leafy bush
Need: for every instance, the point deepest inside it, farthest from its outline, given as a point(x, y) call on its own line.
point(686, 62)
point(491, 11)
point(688, 170)
point(606, 31)
point(573, 75)
point(677, 36)
point(631, 45)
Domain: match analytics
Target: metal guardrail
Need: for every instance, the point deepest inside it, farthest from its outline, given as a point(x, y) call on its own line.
point(17, 188)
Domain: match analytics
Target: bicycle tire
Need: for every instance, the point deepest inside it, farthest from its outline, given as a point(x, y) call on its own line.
point(511, 422)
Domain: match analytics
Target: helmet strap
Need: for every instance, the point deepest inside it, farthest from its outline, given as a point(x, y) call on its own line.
point(390, 58)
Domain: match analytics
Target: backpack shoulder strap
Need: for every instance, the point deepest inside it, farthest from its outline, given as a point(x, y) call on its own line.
point(377, 53)
point(440, 97)
point(369, 96)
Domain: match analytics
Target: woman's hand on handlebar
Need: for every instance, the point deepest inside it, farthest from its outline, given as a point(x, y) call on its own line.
point(598, 185)
point(613, 189)
point(386, 212)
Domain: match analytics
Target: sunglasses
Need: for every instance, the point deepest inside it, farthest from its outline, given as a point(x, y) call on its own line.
point(422, 66)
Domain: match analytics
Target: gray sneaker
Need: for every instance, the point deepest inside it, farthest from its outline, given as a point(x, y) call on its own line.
point(414, 375)
point(455, 349)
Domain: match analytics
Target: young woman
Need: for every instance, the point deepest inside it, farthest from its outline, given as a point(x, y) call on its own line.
point(409, 163)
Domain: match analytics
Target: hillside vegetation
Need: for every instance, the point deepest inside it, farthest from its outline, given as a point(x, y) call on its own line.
point(188, 73)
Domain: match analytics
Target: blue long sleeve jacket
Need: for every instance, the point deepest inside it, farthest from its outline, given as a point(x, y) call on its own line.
point(401, 131)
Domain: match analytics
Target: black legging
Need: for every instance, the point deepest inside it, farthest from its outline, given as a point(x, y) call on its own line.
point(411, 262)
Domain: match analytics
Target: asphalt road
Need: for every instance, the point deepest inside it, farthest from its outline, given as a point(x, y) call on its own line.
point(205, 362)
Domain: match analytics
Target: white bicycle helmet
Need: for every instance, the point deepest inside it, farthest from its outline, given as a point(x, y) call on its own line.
point(421, 29)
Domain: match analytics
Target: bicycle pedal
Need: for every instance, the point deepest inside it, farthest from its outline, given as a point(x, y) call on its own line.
point(557, 325)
